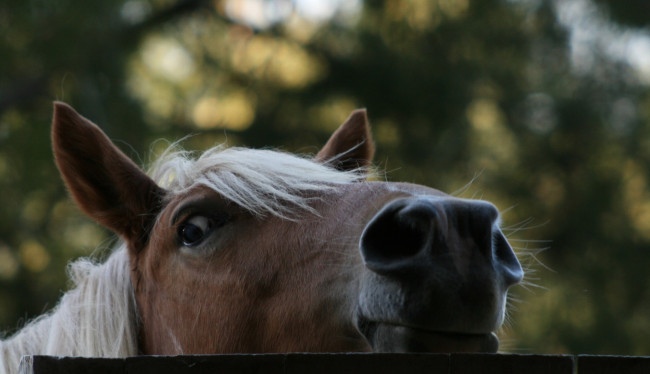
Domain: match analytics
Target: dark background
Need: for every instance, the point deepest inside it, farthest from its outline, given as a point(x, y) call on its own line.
point(543, 105)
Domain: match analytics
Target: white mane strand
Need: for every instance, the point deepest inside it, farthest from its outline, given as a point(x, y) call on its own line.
point(264, 182)
point(96, 318)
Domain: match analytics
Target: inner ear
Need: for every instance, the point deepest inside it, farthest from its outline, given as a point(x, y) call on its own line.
point(350, 147)
point(104, 182)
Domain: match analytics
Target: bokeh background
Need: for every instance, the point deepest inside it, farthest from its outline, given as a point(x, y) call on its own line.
point(543, 105)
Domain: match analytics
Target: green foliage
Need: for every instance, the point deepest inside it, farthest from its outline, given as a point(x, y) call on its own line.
point(454, 90)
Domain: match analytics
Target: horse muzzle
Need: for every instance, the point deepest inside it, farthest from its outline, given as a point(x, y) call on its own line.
point(437, 274)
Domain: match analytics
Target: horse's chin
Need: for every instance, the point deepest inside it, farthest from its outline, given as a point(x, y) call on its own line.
point(384, 337)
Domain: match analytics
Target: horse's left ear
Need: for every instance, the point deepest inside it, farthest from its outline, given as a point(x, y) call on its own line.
point(104, 182)
point(350, 146)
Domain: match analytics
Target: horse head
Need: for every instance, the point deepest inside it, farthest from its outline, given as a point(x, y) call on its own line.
point(260, 251)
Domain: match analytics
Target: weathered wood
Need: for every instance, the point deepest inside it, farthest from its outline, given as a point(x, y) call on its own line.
point(378, 363)
point(461, 363)
point(222, 364)
point(295, 363)
point(77, 365)
point(357, 363)
point(588, 364)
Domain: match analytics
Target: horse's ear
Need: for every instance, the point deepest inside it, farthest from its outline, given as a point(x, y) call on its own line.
point(105, 183)
point(350, 146)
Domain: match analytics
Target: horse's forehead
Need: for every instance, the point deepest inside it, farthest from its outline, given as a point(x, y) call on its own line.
point(356, 203)
point(195, 193)
point(361, 193)
point(372, 191)
point(415, 189)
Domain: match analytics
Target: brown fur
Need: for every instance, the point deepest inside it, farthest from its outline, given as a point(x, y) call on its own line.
point(351, 146)
point(276, 274)
point(184, 302)
point(105, 183)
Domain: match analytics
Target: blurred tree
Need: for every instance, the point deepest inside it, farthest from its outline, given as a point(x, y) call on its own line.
point(631, 12)
point(454, 89)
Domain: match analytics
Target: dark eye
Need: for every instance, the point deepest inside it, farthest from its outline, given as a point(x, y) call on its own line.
point(194, 230)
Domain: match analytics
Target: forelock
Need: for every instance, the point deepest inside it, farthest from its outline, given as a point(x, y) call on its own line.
point(261, 181)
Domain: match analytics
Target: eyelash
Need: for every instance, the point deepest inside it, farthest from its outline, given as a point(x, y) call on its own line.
point(194, 230)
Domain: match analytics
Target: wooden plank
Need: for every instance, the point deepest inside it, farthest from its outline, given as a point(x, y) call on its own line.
point(200, 364)
point(341, 363)
point(294, 363)
point(462, 363)
point(359, 363)
point(65, 365)
point(222, 364)
point(589, 364)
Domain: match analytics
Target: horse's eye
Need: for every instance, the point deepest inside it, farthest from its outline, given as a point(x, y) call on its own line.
point(194, 230)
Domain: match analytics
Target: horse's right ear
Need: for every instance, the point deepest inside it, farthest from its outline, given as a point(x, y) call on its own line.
point(350, 147)
point(104, 183)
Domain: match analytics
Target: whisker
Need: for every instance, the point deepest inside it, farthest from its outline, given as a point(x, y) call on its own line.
point(523, 226)
point(464, 189)
point(530, 240)
point(507, 210)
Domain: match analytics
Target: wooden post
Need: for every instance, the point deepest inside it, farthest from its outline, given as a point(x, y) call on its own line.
point(340, 363)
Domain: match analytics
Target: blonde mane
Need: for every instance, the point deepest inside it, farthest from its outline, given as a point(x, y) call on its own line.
point(264, 182)
point(98, 316)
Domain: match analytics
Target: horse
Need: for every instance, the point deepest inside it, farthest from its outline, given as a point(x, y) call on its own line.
point(240, 250)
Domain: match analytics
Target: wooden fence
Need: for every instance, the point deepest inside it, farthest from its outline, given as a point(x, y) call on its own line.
point(357, 363)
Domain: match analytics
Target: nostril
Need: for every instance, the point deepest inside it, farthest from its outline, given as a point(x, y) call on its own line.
point(399, 231)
